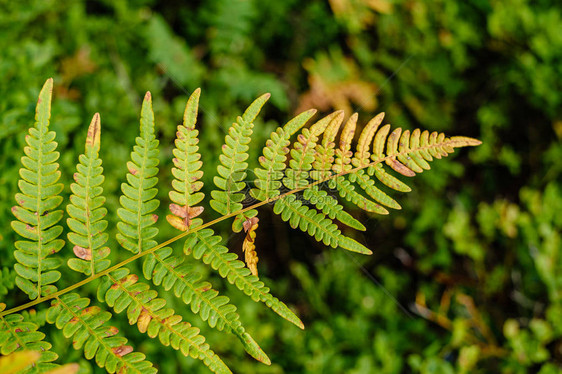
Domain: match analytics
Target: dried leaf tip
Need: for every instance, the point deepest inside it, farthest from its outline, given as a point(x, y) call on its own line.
point(93, 137)
point(148, 96)
point(464, 141)
point(248, 247)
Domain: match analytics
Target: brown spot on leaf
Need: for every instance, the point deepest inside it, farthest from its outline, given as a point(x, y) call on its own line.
point(399, 167)
point(204, 288)
point(83, 253)
point(132, 168)
point(111, 331)
point(122, 350)
point(178, 210)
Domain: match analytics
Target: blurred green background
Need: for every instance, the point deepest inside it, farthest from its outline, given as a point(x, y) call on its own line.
point(466, 278)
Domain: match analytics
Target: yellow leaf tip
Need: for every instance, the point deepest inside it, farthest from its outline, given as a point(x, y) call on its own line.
point(465, 141)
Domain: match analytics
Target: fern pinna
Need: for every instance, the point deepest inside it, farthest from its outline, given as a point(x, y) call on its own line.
point(291, 176)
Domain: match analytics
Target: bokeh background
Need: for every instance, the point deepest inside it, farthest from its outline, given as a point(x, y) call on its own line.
point(466, 278)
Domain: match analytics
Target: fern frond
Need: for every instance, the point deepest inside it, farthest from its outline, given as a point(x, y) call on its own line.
point(404, 152)
point(359, 174)
point(86, 209)
point(171, 272)
point(231, 173)
point(368, 185)
point(329, 205)
point(88, 329)
point(36, 212)
point(187, 173)
point(17, 335)
point(324, 152)
point(347, 191)
point(274, 156)
point(205, 245)
point(138, 202)
point(121, 290)
point(315, 223)
point(322, 169)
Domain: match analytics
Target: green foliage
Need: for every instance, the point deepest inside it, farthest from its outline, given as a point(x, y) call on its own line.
point(480, 225)
point(37, 215)
point(119, 287)
point(86, 209)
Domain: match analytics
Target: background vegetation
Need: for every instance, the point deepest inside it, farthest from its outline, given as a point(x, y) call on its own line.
point(466, 278)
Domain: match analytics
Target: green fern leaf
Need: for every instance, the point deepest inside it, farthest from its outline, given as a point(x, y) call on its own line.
point(330, 207)
point(136, 231)
point(36, 211)
point(316, 224)
point(272, 161)
point(17, 335)
point(231, 173)
point(187, 174)
point(87, 328)
point(86, 209)
point(121, 290)
point(171, 272)
point(347, 191)
point(205, 245)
